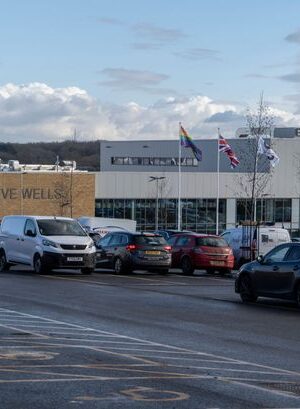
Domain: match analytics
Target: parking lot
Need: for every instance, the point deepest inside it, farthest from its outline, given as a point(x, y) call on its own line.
point(143, 340)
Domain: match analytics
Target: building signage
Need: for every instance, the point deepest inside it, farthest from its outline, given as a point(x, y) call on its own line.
point(30, 194)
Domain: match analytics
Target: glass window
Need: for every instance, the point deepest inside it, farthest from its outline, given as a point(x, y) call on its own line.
point(184, 241)
point(105, 240)
point(294, 254)
point(60, 227)
point(29, 225)
point(277, 254)
point(151, 240)
point(211, 242)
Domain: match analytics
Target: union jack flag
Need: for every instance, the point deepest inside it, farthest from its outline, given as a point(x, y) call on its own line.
point(226, 148)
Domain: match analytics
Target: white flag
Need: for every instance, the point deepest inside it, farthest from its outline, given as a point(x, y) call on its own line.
point(264, 149)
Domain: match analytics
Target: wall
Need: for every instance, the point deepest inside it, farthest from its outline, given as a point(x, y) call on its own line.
point(44, 193)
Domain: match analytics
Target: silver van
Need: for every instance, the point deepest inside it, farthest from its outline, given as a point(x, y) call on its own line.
point(45, 243)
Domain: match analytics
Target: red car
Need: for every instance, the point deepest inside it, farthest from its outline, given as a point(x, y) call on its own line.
point(192, 251)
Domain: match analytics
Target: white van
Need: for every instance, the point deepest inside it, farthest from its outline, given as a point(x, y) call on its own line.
point(45, 243)
point(104, 225)
point(247, 242)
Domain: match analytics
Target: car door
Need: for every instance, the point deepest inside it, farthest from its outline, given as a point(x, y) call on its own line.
point(290, 271)
point(28, 242)
point(268, 274)
point(102, 246)
point(180, 248)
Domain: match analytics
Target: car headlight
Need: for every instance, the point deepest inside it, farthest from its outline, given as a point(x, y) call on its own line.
point(49, 243)
point(91, 244)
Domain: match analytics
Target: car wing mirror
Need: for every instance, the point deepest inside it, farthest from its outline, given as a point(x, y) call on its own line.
point(260, 259)
point(30, 233)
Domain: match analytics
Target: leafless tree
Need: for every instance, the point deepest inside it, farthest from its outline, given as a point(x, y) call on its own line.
point(63, 192)
point(252, 184)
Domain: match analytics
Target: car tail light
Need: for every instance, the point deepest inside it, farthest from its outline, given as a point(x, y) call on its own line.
point(131, 247)
point(168, 248)
point(198, 250)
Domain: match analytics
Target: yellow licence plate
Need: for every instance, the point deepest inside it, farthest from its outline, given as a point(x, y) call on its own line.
point(153, 252)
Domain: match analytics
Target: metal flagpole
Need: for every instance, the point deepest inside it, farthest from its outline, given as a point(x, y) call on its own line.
point(218, 184)
point(179, 183)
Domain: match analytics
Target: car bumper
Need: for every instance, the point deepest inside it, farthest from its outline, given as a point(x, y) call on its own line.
point(67, 260)
point(206, 262)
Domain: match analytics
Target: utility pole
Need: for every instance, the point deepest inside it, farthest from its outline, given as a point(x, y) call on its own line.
point(157, 179)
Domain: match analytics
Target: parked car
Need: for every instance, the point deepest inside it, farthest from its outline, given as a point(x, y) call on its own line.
point(168, 233)
point(296, 239)
point(125, 251)
point(248, 242)
point(192, 251)
point(45, 243)
point(277, 274)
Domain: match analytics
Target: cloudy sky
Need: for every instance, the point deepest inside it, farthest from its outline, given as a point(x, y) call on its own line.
point(133, 69)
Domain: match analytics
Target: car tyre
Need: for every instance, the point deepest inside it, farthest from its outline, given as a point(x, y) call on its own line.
point(38, 266)
point(119, 266)
point(4, 266)
point(186, 266)
point(210, 271)
point(246, 291)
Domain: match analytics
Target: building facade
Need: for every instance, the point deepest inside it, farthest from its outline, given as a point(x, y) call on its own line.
point(38, 190)
point(124, 188)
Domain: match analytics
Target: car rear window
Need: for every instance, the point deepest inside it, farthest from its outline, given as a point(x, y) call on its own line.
point(211, 242)
point(152, 240)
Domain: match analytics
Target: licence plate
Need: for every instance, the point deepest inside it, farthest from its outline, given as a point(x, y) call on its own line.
point(153, 252)
point(217, 263)
point(74, 258)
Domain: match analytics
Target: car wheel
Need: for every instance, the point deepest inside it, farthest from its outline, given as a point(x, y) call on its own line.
point(119, 266)
point(210, 271)
point(186, 266)
point(4, 266)
point(38, 265)
point(298, 295)
point(246, 292)
point(87, 270)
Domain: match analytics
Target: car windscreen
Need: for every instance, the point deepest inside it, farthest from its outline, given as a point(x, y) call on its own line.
point(211, 242)
point(150, 240)
point(56, 227)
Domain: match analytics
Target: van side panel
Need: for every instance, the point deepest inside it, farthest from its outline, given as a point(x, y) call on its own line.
point(12, 228)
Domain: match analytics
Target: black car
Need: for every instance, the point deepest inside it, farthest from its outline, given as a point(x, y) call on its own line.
point(276, 275)
point(125, 251)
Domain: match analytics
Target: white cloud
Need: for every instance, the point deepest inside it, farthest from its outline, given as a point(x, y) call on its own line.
point(37, 112)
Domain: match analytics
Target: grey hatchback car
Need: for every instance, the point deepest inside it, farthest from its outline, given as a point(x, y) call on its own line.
point(125, 251)
point(275, 275)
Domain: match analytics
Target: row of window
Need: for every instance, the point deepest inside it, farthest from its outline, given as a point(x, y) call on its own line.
point(147, 161)
point(196, 214)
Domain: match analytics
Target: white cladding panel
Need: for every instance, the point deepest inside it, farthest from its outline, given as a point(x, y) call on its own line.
point(284, 181)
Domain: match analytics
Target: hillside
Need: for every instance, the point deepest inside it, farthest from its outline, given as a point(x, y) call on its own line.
point(86, 154)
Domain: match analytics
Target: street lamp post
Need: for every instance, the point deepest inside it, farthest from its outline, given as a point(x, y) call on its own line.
point(152, 179)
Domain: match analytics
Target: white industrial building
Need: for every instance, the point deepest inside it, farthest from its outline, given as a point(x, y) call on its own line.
point(123, 187)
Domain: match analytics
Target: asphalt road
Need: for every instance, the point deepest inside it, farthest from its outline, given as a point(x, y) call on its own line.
point(143, 341)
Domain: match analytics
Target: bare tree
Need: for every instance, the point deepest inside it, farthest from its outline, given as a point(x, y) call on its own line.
point(258, 171)
point(64, 196)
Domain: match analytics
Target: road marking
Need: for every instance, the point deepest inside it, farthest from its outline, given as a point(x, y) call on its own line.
point(134, 351)
point(140, 394)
